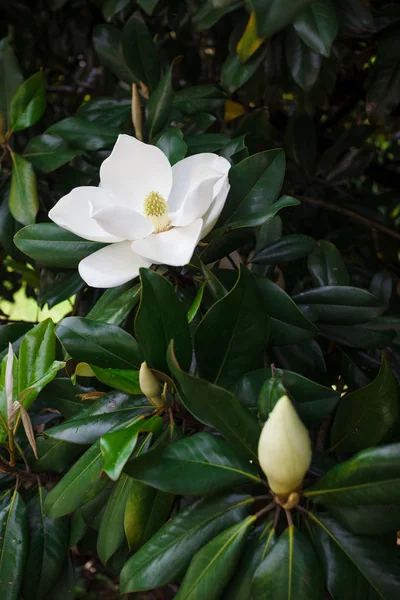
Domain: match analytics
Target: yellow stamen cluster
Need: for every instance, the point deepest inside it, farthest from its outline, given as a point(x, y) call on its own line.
point(156, 210)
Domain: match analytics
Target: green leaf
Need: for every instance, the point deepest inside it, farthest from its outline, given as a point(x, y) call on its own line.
point(13, 546)
point(193, 310)
point(115, 304)
point(173, 146)
point(51, 245)
point(234, 74)
point(49, 152)
point(36, 354)
point(55, 455)
point(12, 333)
point(326, 265)
point(111, 532)
point(317, 26)
point(161, 318)
point(166, 556)
point(364, 417)
point(259, 542)
point(28, 103)
point(107, 41)
point(148, 5)
point(291, 570)
point(48, 546)
point(199, 99)
point(353, 565)
point(140, 51)
point(270, 393)
point(61, 395)
point(23, 199)
point(213, 565)
point(11, 78)
point(288, 325)
point(231, 338)
point(200, 464)
point(111, 410)
point(290, 247)
point(255, 186)
point(370, 477)
point(113, 7)
point(373, 519)
point(119, 379)
point(117, 446)
point(218, 408)
point(304, 64)
point(273, 15)
point(146, 512)
point(83, 134)
point(106, 111)
point(160, 104)
point(103, 345)
point(340, 305)
point(82, 483)
point(207, 15)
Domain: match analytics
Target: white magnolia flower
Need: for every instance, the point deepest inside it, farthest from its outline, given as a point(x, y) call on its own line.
point(148, 211)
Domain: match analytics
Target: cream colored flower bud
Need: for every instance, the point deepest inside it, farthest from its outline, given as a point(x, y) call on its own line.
point(284, 449)
point(149, 385)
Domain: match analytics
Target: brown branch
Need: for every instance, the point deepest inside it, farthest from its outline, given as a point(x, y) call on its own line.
point(352, 215)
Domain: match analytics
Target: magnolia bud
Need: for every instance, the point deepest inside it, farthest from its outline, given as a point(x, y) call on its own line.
point(284, 449)
point(149, 385)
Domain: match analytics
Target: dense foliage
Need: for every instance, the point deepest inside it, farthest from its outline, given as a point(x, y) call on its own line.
point(295, 290)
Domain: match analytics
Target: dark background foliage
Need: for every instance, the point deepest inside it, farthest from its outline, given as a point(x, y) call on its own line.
point(322, 81)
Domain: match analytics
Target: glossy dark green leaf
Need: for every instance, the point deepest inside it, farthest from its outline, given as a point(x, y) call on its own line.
point(146, 512)
point(340, 305)
point(63, 396)
point(357, 336)
point(235, 74)
point(82, 483)
point(364, 417)
point(317, 26)
point(288, 325)
point(217, 290)
point(373, 519)
point(166, 556)
point(28, 103)
point(47, 548)
point(218, 408)
point(353, 565)
point(57, 287)
point(123, 380)
point(103, 345)
point(11, 78)
point(290, 247)
point(255, 186)
point(12, 333)
point(327, 266)
point(23, 199)
point(273, 15)
point(49, 152)
point(107, 41)
point(65, 586)
point(231, 338)
point(117, 446)
point(55, 455)
point(304, 64)
point(161, 318)
point(199, 99)
point(83, 134)
point(140, 51)
point(370, 477)
point(208, 14)
point(160, 104)
point(106, 111)
point(225, 244)
point(213, 565)
point(113, 7)
point(271, 391)
point(13, 546)
point(236, 150)
point(99, 417)
point(173, 146)
point(290, 570)
point(200, 464)
point(53, 246)
point(193, 310)
point(111, 533)
point(259, 542)
point(115, 304)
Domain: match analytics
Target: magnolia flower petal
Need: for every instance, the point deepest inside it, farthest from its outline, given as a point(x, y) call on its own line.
point(111, 266)
point(193, 191)
point(123, 222)
point(211, 216)
point(73, 212)
point(174, 247)
point(135, 169)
